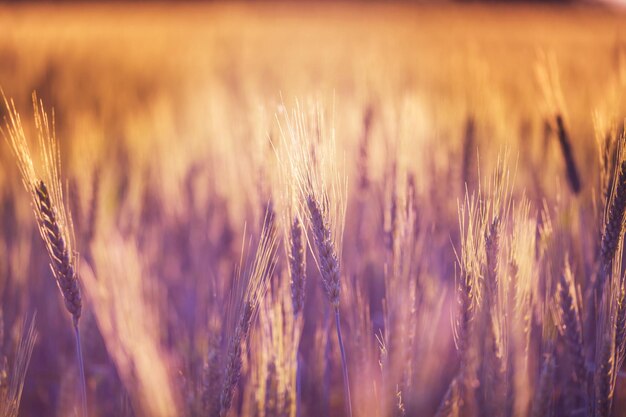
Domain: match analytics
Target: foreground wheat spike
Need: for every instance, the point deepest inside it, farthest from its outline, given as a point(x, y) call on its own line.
point(614, 221)
point(53, 219)
point(604, 378)
point(10, 396)
point(327, 255)
point(328, 264)
point(608, 355)
point(310, 157)
point(61, 262)
point(48, 201)
point(256, 283)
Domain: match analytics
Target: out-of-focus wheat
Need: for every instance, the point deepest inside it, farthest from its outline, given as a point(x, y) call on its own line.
point(11, 394)
point(255, 283)
point(570, 327)
point(127, 313)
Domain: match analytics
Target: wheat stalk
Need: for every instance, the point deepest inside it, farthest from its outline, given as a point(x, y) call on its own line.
point(310, 157)
point(53, 219)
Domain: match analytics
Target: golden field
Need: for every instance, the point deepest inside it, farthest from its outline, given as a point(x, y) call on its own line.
point(450, 179)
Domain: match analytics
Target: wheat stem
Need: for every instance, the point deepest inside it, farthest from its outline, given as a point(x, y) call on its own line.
point(344, 364)
point(81, 369)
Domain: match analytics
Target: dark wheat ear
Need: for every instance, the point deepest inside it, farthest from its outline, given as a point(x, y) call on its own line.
point(44, 186)
point(614, 220)
point(328, 260)
point(614, 211)
point(573, 178)
point(62, 262)
point(604, 378)
point(321, 189)
point(53, 219)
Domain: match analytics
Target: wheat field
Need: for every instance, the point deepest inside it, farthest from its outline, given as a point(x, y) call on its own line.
point(316, 209)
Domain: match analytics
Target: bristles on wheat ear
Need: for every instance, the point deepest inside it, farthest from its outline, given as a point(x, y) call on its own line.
point(321, 189)
point(53, 220)
point(62, 263)
point(328, 261)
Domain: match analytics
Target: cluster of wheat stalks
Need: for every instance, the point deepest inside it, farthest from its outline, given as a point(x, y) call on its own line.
point(356, 295)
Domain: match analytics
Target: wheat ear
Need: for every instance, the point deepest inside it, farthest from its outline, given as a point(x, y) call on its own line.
point(328, 263)
point(297, 265)
point(573, 177)
point(613, 224)
point(53, 220)
point(310, 158)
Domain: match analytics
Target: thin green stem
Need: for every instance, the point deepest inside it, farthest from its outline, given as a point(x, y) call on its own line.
point(344, 364)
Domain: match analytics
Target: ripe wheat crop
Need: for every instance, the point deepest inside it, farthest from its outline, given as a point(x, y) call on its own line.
point(283, 210)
